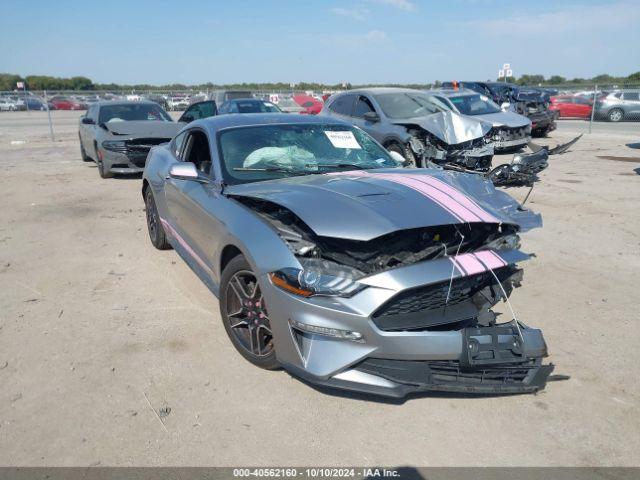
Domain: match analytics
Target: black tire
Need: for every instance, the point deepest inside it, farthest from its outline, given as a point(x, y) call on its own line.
point(408, 156)
point(615, 115)
point(157, 234)
point(244, 314)
point(83, 153)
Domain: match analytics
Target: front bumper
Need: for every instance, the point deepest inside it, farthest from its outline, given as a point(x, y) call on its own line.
point(122, 164)
point(397, 362)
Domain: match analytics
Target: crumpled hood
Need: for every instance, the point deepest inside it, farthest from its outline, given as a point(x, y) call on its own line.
point(144, 128)
point(450, 127)
point(365, 204)
point(506, 119)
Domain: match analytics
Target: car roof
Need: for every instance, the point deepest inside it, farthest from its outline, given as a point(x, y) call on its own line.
point(104, 103)
point(449, 92)
point(219, 122)
point(380, 90)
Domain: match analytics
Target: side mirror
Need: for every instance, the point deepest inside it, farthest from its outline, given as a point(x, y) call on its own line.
point(371, 117)
point(186, 118)
point(505, 106)
point(187, 171)
point(88, 121)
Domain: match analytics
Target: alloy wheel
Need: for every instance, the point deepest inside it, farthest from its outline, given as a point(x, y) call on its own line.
point(247, 315)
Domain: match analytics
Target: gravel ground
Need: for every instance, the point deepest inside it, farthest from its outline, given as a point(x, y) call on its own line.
point(113, 353)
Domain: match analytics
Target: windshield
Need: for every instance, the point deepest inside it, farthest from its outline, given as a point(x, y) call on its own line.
point(136, 111)
point(406, 104)
point(267, 152)
point(474, 104)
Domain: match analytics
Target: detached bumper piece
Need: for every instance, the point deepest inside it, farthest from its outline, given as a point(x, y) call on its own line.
point(452, 376)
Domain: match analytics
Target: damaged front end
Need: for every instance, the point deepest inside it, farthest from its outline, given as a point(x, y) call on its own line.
point(448, 138)
point(524, 167)
point(403, 309)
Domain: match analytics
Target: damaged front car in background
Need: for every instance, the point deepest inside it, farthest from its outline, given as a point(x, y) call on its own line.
point(411, 124)
point(333, 262)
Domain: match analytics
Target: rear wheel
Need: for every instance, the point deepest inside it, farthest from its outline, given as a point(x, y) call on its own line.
point(615, 115)
point(244, 314)
point(156, 230)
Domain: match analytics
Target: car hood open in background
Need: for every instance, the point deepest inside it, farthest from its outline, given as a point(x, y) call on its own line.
point(450, 127)
point(365, 204)
point(145, 128)
point(507, 119)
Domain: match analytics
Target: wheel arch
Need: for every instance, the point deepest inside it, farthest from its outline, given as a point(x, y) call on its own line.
point(228, 253)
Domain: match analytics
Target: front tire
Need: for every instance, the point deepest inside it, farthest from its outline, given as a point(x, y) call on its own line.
point(245, 316)
point(83, 153)
point(157, 234)
point(405, 152)
point(615, 115)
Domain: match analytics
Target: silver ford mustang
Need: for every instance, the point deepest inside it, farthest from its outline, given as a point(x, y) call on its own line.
point(332, 261)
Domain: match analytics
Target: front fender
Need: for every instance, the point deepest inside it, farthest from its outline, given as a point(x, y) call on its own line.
point(258, 241)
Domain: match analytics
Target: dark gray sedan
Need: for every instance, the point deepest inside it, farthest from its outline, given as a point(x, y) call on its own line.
point(331, 261)
point(409, 123)
point(118, 135)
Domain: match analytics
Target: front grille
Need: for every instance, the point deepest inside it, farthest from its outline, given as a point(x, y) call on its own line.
point(435, 295)
point(426, 307)
point(137, 149)
point(508, 133)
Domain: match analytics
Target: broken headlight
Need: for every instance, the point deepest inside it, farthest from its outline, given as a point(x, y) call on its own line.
point(115, 146)
point(318, 277)
point(506, 242)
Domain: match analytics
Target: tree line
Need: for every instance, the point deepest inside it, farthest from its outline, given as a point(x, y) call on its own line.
point(8, 82)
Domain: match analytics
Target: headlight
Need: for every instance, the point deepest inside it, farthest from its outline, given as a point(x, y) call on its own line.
point(507, 242)
point(115, 146)
point(318, 277)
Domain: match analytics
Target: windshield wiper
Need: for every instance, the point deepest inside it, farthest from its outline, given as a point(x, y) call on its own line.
point(271, 169)
point(338, 165)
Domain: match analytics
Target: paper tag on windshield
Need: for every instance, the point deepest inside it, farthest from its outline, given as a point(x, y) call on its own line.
point(343, 139)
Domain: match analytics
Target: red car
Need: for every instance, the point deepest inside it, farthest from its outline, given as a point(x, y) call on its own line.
point(311, 105)
point(571, 107)
point(66, 103)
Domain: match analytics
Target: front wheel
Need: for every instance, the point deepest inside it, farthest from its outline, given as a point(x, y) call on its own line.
point(615, 115)
point(83, 153)
point(406, 153)
point(244, 314)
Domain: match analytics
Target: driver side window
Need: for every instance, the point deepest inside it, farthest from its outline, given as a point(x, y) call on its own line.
point(363, 105)
point(197, 151)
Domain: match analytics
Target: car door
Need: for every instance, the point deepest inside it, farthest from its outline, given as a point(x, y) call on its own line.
point(361, 107)
point(582, 107)
point(631, 102)
point(192, 205)
point(199, 110)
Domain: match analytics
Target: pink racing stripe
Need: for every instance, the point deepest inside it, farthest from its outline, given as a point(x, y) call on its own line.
point(470, 263)
point(458, 267)
point(185, 245)
point(458, 196)
point(490, 259)
point(407, 182)
point(432, 193)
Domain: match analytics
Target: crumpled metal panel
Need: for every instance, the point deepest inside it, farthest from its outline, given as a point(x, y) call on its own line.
point(146, 128)
point(506, 119)
point(450, 127)
point(365, 204)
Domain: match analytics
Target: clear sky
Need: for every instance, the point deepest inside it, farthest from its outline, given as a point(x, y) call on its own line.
point(358, 41)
